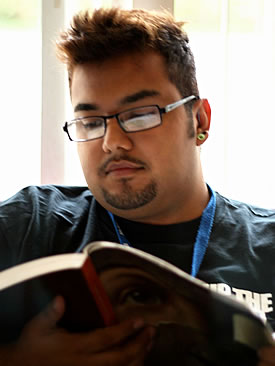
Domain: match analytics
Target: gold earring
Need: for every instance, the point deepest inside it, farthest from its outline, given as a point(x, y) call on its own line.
point(201, 136)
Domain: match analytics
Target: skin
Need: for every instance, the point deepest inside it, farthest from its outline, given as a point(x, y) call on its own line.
point(43, 343)
point(165, 158)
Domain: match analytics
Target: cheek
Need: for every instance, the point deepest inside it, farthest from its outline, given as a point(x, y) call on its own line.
point(88, 158)
point(151, 314)
point(166, 147)
point(174, 311)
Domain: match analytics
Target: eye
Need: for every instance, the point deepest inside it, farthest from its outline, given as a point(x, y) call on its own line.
point(137, 121)
point(140, 116)
point(140, 113)
point(91, 124)
point(142, 296)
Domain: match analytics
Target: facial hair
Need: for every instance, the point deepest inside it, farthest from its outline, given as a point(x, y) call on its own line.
point(177, 345)
point(128, 198)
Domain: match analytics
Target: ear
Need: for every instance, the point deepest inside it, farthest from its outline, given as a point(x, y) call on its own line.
point(202, 111)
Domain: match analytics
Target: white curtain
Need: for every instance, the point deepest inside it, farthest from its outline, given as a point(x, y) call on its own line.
point(235, 56)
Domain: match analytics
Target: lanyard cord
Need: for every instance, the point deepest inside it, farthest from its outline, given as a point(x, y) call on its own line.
point(121, 237)
point(203, 234)
point(202, 237)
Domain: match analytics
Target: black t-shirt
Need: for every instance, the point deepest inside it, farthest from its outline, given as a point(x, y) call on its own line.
point(173, 243)
point(45, 220)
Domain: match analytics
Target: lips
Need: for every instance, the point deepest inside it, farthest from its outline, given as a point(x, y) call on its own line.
point(122, 167)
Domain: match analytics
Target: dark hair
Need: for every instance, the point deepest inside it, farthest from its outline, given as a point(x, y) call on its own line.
point(95, 36)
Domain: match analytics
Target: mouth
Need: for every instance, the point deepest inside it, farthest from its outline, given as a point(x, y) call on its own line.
point(123, 168)
point(176, 344)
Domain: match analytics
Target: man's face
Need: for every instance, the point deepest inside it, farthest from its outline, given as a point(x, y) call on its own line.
point(137, 175)
point(135, 293)
point(181, 331)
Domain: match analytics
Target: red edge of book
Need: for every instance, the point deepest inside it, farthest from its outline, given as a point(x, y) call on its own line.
point(101, 298)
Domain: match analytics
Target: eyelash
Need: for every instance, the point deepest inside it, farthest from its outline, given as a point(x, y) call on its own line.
point(151, 295)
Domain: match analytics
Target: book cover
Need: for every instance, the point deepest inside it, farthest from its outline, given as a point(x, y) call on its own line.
point(195, 325)
point(110, 282)
point(26, 289)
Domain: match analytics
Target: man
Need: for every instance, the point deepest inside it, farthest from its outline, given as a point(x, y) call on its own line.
point(139, 125)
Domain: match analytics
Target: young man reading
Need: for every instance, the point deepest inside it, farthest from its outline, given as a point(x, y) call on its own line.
point(139, 124)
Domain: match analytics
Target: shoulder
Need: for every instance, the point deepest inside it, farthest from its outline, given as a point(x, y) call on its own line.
point(42, 220)
point(50, 190)
point(52, 202)
point(240, 225)
point(46, 197)
point(236, 210)
point(45, 206)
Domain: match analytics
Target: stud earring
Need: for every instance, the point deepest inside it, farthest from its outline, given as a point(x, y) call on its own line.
point(201, 136)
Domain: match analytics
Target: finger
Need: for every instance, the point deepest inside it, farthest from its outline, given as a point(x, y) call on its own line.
point(139, 349)
point(131, 353)
point(106, 338)
point(45, 321)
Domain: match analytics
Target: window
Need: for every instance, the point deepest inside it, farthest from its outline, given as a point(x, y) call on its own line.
point(20, 73)
point(234, 46)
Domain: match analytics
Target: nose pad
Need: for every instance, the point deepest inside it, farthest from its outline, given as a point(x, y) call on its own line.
point(115, 138)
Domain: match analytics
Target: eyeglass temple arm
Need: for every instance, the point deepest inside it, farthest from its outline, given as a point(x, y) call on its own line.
point(172, 106)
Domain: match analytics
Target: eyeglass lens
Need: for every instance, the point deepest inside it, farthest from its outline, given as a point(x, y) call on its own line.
point(130, 121)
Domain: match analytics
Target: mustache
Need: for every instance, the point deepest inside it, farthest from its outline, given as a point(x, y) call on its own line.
point(103, 167)
point(176, 344)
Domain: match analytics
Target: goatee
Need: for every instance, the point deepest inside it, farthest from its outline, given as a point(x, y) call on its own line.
point(129, 198)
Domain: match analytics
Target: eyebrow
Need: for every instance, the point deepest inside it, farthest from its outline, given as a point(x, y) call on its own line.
point(128, 99)
point(139, 96)
point(140, 278)
point(86, 107)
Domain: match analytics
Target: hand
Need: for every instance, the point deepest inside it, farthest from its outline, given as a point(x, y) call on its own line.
point(43, 343)
point(267, 356)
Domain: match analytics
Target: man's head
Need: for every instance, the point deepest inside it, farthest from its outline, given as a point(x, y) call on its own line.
point(108, 33)
point(182, 335)
point(119, 63)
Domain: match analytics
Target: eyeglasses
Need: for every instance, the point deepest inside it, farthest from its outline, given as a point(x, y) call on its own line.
point(133, 120)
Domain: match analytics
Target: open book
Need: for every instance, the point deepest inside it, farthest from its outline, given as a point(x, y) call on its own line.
point(110, 282)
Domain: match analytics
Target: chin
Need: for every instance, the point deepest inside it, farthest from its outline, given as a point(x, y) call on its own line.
point(177, 345)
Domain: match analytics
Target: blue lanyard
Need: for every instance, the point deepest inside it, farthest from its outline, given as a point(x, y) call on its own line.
point(202, 237)
point(121, 237)
point(203, 234)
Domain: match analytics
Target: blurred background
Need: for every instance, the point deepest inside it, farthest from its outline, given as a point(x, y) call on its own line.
point(234, 46)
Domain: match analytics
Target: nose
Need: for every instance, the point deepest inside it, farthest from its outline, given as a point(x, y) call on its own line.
point(115, 138)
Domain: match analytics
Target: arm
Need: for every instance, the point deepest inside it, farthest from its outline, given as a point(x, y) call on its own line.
point(43, 343)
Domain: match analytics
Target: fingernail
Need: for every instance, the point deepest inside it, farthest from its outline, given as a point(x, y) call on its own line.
point(138, 324)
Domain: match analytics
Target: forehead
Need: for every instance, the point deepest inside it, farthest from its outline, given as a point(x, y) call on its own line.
point(122, 276)
point(128, 273)
point(120, 76)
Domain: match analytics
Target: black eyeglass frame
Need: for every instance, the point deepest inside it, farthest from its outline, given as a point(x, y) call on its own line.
point(166, 109)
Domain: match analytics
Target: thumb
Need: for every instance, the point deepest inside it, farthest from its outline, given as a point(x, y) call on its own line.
point(45, 321)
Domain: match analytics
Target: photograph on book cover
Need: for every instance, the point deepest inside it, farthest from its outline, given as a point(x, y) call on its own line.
point(109, 283)
point(182, 335)
point(195, 326)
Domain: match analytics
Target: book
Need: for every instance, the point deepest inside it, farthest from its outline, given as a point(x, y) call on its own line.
point(109, 282)
point(27, 288)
